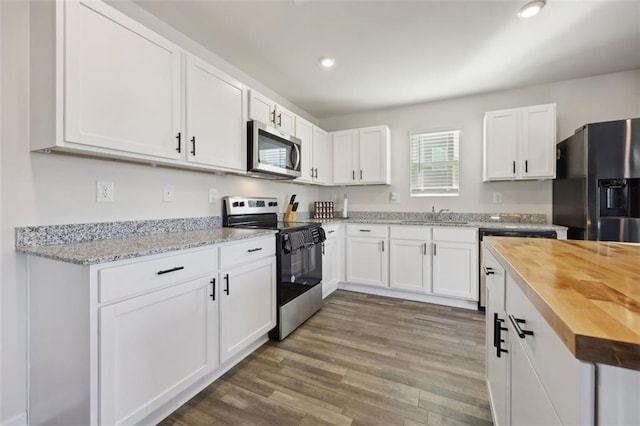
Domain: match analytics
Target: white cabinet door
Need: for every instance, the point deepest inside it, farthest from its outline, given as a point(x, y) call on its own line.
point(304, 132)
point(373, 155)
point(345, 153)
point(285, 120)
point(215, 117)
point(322, 156)
point(496, 339)
point(538, 141)
point(367, 261)
point(261, 108)
point(454, 269)
point(247, 305)
point(329, 266)
point(153, 346)
point(529, 402)
point(122, 83)
point(410, 265)
point(501, 141)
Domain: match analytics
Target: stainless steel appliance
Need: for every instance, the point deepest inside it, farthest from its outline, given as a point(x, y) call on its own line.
point(597, 190)
point(272, 153)
point(298, 254)
point(504, 232)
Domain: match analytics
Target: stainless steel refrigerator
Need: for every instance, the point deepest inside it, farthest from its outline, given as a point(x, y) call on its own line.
point(597, 190)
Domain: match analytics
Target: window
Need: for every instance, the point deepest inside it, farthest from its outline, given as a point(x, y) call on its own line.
point(434, 163)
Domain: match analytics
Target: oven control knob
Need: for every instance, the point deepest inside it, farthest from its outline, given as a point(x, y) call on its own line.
point(235, 204)
point(241, 203)
point(272, 204)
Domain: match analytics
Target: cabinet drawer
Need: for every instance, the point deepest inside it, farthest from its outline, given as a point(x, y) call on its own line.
point(377, 231)
point(559, 372)
point(466, 235)
point(246, 251)
point(330, 231)
point(122, 281)
point(420, 233)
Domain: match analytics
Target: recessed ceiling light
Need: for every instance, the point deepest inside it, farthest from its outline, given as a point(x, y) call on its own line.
point(531, 8)
point(327, 62)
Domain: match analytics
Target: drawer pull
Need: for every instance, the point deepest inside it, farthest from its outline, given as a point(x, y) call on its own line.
point(254, 249)
point(382, 245)
point(330, 232)
point(365, 230)
point(516, 324)
point(226, 278)
point(213, 289)
point(166, 271)
point(488, 270)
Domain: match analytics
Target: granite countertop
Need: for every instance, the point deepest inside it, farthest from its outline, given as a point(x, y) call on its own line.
point(109, 250)
point(445, 223)
point(587, 291)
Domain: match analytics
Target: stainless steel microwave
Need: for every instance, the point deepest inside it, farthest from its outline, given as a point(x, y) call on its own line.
point(272, 153)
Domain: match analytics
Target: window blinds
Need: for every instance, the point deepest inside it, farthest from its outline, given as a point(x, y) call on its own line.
point(434, 163)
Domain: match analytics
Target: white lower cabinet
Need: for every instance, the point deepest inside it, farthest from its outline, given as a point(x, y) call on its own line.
point(121, 342)
point(244, 315)
point(410, 258)
point(330, 260)
point(143, 361)
point(455, 263)
point(367, 259)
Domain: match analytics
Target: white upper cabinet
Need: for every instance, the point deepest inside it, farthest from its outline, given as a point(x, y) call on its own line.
point(215, 117)
point(121, 83)
point(267, 111)
point(361, 156)
point(304, 132)
point(322, 156)
point(520, 143)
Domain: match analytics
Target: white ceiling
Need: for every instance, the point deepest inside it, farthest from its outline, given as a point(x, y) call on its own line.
point(392, 53)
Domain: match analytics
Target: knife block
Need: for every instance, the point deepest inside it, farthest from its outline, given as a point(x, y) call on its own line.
point(290, 215)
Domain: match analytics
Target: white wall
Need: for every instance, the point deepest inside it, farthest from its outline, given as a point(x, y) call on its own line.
point(601, 98)
point(38, 189)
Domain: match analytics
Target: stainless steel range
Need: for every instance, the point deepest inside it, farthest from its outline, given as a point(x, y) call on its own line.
point(298, 253)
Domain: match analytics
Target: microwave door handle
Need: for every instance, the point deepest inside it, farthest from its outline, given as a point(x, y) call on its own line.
point(297, 162)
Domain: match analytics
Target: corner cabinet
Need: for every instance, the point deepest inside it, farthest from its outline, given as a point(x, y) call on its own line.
point(130, 106)
point(520, 143)
point(361, 156)
point(133, 338)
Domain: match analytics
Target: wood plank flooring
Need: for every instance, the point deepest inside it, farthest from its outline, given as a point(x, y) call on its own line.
point(361, 360)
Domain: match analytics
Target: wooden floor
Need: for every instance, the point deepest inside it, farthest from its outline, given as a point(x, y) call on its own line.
point(362, 359)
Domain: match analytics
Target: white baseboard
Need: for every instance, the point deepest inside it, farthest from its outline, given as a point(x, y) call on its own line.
point(407, 295)
point(18, 420)
point(328, 289)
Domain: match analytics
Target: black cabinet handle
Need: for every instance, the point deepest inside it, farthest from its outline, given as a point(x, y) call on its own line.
point(424, 251)
point(360, 174)
point(179, 149)
point(526, 166)
point(166, 271)
point(254, 249)
point(365, 230)
point(516, 324)
point(312, 172)
point(434, 249)
point(273, 117)
point(514, 166)
point(497, 335)
point(316, 175)
point(226, 289)
point(193, 141)
point(213, 289)
point(280, 119)
point(330, 232)
point(353, 175)
point(382, 245)
point(488, 270)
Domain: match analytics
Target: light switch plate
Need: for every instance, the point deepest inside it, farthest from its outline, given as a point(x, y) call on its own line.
point(497, 197)
point(213, 195)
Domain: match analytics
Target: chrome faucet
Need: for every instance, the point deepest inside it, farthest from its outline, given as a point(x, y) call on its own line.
point(437, 215)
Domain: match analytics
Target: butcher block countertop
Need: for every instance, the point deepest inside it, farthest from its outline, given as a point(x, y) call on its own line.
point(588, 291)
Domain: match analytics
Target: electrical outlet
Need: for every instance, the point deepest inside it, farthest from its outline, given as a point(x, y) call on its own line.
point(393, 197)
point(213, 195)
point(105, 192)
point(167, 193)
point(497, 197)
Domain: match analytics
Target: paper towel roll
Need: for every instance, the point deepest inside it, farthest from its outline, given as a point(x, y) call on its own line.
point(345, 204)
